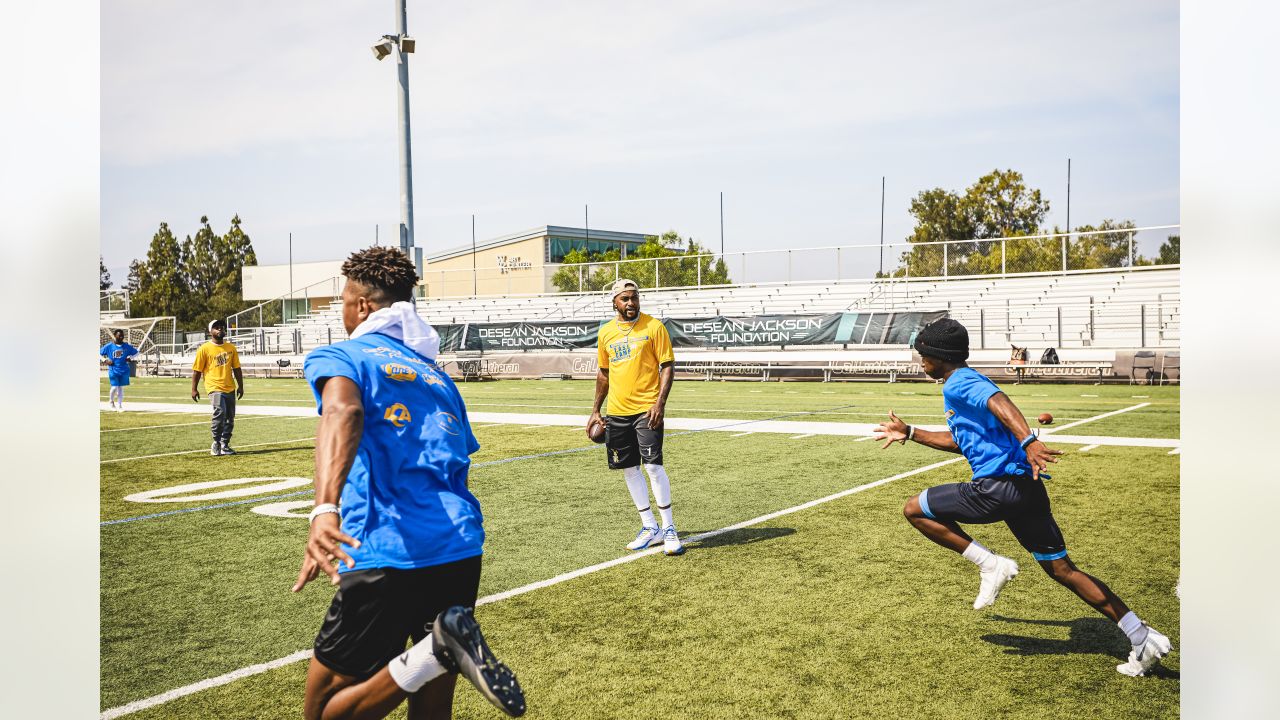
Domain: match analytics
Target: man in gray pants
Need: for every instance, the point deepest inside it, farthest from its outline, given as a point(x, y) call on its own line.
point(218, 362)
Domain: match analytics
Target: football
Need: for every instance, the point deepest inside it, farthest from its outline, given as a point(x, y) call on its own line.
point(596, 432)
point(1045, 418)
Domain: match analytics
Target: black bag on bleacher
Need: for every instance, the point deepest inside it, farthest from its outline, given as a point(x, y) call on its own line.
point(1050, 357)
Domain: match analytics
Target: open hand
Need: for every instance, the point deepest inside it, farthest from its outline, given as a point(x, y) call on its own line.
point(324, 547)
point(891, 431)
point(1039, 456)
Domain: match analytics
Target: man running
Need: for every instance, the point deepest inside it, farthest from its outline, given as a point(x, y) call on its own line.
point(117, 356)
point(218, 362)
point(1008, 461)
point(393, 509)
point(636, 367)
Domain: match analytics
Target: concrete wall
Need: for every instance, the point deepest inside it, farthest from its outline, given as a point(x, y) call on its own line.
point(264, 282)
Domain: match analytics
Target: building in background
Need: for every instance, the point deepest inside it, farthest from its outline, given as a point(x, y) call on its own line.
point(517, 264)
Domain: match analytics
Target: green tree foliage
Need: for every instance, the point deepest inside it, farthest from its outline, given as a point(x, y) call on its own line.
point(677, 265)
point(1170, 251)
point(196, 280)
point(1107, 250)
point(104, 277)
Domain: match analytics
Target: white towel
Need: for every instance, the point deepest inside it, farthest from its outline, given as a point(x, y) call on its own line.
point(402, 322)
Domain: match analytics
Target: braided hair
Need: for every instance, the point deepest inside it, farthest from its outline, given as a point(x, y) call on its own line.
point(386, 271)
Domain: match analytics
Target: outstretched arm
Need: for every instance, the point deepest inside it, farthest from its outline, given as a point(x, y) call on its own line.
point(1038, 455)
point(894, 430)
point(337, 440)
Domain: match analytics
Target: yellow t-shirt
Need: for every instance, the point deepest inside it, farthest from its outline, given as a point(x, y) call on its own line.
point(216, 362)
point(632, 353)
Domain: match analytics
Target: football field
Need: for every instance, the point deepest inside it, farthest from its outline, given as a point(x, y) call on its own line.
point(803, 594)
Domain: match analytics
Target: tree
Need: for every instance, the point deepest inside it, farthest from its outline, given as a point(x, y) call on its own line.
point(674, 266)
point(104, 277)
point(162, 287)
point(1170, 251)
point(1106, 250)
point(999, 205)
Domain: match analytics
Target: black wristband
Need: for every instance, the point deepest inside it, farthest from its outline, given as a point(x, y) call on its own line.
point(1028, 440)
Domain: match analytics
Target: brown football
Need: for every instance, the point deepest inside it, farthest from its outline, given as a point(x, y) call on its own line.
point(596, 432)
point(1045, 418)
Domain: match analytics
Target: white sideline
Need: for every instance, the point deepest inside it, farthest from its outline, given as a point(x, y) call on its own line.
point(787, 427)
point(245, 672)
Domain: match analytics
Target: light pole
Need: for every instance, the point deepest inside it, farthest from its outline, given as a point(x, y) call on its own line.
point(405, 44)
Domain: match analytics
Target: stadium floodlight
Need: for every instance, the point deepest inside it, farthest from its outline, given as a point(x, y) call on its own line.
point(383, 49)
point(407, 44)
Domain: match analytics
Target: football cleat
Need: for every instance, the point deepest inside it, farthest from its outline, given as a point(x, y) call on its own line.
point(1145, 656)
point(226, 449)
point(671, 544)
point(994, 580)
point(646, 537)
point(460, 647)
point(215, 449)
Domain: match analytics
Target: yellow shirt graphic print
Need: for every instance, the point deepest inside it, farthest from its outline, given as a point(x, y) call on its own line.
point(216, 362)
point(632, 353)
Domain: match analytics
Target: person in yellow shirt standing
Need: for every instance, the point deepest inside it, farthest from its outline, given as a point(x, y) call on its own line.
point(636, 367)
point(218, 362)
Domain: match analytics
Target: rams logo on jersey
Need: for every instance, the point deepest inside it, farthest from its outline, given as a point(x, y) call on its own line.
point(397, 415)
point(449, 423)
point(403, 373)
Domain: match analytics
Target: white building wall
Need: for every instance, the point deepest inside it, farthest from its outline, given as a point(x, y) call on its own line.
point(264, 282)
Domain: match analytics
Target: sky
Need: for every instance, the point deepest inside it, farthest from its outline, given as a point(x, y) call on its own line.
point(525, 112)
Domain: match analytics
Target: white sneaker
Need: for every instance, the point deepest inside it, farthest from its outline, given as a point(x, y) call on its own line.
point(671, 544)
point(215, 449)
point(1145, 656)
point(994, 580)
point(647, 536)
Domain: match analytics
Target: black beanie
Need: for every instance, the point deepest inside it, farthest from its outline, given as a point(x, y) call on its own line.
point(945, 339)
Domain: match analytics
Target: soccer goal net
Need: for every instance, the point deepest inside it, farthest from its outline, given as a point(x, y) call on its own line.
point(153, 336)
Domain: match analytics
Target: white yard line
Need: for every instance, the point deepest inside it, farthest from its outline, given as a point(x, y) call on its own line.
point(153, 427)
point(1095, 417)
point(797, 437)
point(749, 432)
point(1087, 448)
point(1175, 451)
point(251, 670)
point(864, 439)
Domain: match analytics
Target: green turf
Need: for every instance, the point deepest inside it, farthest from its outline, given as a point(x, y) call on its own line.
point(836, 611)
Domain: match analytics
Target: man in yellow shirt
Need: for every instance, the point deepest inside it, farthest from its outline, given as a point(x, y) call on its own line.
point(217, 361)
point(636, 367)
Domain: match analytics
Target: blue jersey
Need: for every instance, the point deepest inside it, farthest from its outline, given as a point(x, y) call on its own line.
point(992, 451)
point(405, 498)
point(119, 356)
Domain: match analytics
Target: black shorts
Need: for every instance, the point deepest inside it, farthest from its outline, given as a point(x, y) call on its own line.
point(376, 611)
point(1022, 503)
point(629, 441)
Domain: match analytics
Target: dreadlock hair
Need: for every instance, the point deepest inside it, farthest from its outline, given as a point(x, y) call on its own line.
point(385, 271)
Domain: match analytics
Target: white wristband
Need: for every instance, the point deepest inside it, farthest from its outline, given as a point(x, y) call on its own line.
point(321, 509)
point(911, 432)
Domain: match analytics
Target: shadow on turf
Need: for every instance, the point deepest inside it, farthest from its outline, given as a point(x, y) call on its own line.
point(1085, 636)
point(743, 536)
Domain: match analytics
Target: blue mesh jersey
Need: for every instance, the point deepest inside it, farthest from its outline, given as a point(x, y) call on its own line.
point(119, 356)
point(405, 498)
point(992, 451)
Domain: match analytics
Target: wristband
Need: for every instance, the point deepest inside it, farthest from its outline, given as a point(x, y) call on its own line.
point(911, 432)
point(321, 509)
point(1028, 440)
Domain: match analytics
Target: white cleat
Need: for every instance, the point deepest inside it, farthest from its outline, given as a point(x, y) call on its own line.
point(647, 536)
point(671, 544)
point(1145, 656)
point(993, 581)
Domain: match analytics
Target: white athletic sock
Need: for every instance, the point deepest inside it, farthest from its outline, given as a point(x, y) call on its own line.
point(639, 495)
point(416, 666)
point(661, 492)
point(1132, 626)
point(120, 396)
point(980, 556)
point(112, 395)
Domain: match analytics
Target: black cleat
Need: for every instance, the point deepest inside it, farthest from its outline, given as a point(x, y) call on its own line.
point(461, 648)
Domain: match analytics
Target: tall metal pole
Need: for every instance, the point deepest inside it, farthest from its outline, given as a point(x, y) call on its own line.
point(290, 266)
point(406, 152)
point(881, 273)
point(475, 284)
point(722, 224)
point(586, 221)
point(375, 235)
point(1068, 238)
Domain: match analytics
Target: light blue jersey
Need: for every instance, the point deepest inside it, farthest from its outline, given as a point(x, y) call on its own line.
point(405, 498)
point(118, 355)
point(992, 451)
